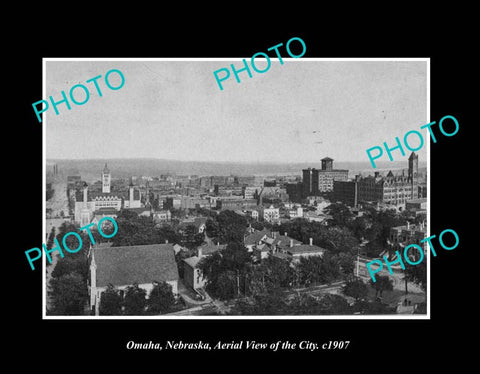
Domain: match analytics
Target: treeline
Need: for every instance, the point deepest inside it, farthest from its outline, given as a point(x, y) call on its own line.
point(232, 272)
point(135, 302)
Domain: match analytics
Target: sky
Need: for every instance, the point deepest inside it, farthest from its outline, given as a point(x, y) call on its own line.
point(300, 111)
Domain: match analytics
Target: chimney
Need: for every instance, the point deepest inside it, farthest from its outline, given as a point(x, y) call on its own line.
point(286, 233)
point(408, 225)
point(376, 174)
point(311, 241)
point(166, 241)
point(218, 244)
point(199, 252)
point(291, 242)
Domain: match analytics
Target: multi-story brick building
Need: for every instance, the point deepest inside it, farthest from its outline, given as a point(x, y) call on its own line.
point(390, 189)
point(321, 180)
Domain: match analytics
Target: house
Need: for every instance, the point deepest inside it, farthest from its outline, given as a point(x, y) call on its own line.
point(162, 216)
point(141, 211)
point(270, 214)
point(255, 238)
point(198, 222)
point(294, 212)
point(192, 275)
point(124, 266)
point(304, 250)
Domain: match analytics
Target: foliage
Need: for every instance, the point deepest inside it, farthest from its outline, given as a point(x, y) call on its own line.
point(417, 274)
point(51, 238)
point(267, 303)
point(271, 273)
point(372, 307)
point(161, 299)
point(71, 263)
point(135, 300)
point(335, 239)
point(69, 294)
point(382, 283)
point(138, 230)
point(325, 269)
point(258, 225)
point(227, 227)
point(356, 289)
point(340, 213)
point(225, 271)
point(110, 302)
point(191, 238)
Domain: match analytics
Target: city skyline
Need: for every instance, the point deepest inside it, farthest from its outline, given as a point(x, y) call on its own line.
point(173, 110)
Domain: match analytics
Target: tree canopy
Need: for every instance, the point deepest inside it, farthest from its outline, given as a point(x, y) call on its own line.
point(69, 294)
point(110, 302)
point(160, 299)
point(135, 301)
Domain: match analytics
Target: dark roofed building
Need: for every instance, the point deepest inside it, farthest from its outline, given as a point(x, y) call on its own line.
point(124, 266)
point(305, 250)
point(255, 238)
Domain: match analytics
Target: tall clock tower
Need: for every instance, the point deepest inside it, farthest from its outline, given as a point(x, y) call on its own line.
point(106, 178)
point(413, 174)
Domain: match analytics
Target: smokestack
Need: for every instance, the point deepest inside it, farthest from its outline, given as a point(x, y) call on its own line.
point(311, 241)
point(291, 242)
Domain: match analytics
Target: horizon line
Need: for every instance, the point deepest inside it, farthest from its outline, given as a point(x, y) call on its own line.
point(219, 162)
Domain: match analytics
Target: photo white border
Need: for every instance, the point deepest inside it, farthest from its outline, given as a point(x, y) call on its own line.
point(161, 317)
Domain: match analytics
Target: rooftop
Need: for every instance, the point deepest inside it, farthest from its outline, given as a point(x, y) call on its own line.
point(255, 237)
point(304, 248)
point(121, 266)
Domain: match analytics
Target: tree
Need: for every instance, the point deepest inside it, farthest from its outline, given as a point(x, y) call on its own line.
point(50, 241)
point(372, 307)
point(333, 304)
point(347, 265)
point(51, 238)
point(110, 302)
point(69, 294)
point(275, 273)
point(71, 263)
point(258, 225)
point(272, 302)
point(340, 213)
point(417, 274)
point(225, 271)
point(161, 298)
point(135, 300)
point(231, 227)
point(356, 289)
point(309, 270)
point(226, 285)
point(383, 283)
point(212, 228)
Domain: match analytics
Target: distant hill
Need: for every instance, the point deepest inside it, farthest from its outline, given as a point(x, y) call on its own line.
point(90, 169)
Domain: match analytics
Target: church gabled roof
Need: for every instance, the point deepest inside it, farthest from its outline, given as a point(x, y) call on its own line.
point(122, 266)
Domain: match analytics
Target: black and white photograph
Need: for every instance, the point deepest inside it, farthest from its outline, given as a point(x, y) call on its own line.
point(255, 200)
point(250, 195)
